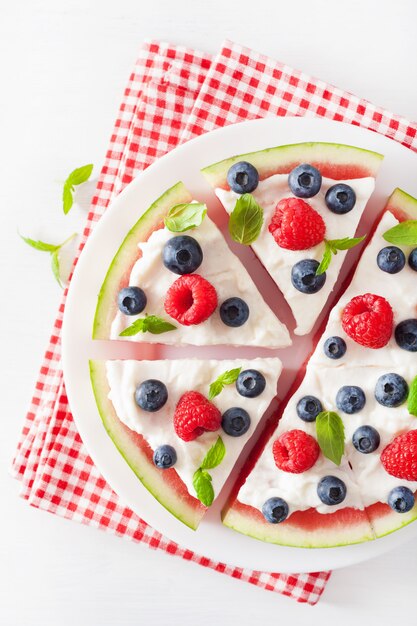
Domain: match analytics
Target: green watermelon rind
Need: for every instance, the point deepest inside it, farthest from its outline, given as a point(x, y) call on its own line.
point(128, 253)
point(345, 162)
point(133, 449)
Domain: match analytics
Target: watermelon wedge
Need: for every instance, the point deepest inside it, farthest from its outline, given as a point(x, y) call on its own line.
point(138, 263)
point(364, 513)
point(138, 433)
point(337, 164)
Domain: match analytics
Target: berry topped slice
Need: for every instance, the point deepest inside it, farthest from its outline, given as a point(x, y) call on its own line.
point(309, 194)
point(174, 280)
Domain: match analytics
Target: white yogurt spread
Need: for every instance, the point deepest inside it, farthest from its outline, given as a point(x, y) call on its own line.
point(180, 376)
point(229, 277)
point(368, 482)
point(278, 261)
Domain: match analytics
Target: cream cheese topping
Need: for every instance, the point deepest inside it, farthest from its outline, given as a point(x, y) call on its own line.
point(278, 261)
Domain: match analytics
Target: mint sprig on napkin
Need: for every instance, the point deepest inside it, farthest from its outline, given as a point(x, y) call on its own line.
point(53, 249)
point(202, 479)
point(77, 177)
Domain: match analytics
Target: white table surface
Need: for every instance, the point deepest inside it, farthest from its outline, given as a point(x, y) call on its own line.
point(63, 67)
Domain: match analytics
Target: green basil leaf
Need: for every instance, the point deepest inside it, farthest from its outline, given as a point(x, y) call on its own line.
point(403, 234)
point(67, 198)
point(55, 266)
point(412, 398)
point(214, 456)
point(227, 378)
point(184, 217)
point(246, 220)
point(203, 487)
point(325, 262)
point(80, 175)
point(346, 243)
point(151, 324)
point(331, 435)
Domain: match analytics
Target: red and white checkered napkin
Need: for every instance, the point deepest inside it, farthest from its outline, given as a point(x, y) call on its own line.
point(173, 94)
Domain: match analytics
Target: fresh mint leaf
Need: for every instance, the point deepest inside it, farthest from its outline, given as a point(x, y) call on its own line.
point(412, 398)
point(332, 246)
point(246, 220)
point(40, 245)
point(77, 177)
point(403, 234)
point(55, 266)
point(151, 324)
point(227, 378)
point(184, 217)
point(203, 487)
point(214, 456)
point(331, 435)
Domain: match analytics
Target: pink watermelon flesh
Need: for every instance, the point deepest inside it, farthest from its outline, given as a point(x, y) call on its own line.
point(165, 485)
point(310, 528)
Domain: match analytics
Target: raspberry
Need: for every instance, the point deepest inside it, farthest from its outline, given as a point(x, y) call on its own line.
point(368, 320)
point(295, 225)
point(295, 451)
point(194, 414)
point(399, 458)
point(191, 299)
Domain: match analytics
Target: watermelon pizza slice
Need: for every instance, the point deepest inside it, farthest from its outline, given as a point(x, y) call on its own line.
point(341, 466)
point(306, 200)
point(182, 424)
point(175, 279)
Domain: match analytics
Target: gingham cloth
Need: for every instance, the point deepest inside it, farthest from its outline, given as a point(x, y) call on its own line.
point(173, 94)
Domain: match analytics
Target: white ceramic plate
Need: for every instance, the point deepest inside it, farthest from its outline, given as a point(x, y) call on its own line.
point(212, 539)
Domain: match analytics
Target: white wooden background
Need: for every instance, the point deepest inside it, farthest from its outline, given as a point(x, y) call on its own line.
point(63, 67)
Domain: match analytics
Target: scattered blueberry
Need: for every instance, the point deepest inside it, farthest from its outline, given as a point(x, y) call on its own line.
point(412, 259)
point(164, 457)
point(250, 383)
point(308, 408)
point(182, 254)
point(234, 312)
point(401, 499)
point(366, 439)
point(340, 198)
point(391, 259)
point(235, 421)
point(304, 181)
point(131, 300)
point(350, 399)
point(151, 395)
point(334, 347)
point(243, 177)
point(304, 278)
point(275, 510)
point(406, 335)
point(331, 490)
point(391, 390)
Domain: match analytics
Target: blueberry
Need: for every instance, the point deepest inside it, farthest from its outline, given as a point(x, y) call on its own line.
point(340, 199)
point(250, 383)
point(308, 408)
point(391, 390)
point(151, 395)
point(401, 499)
point(234, 312)
point(304, 278)
point(350, 399)
point(235, 421)
point(304, 181)
point(391, 259)
point(366, 439)
point(334, 347)
point(412, 259)
point(164, 457)
point(243, 177)
point(406, 335)
point(331, 490)
point(182, 254)
point(275, 510)
point(131, 300)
